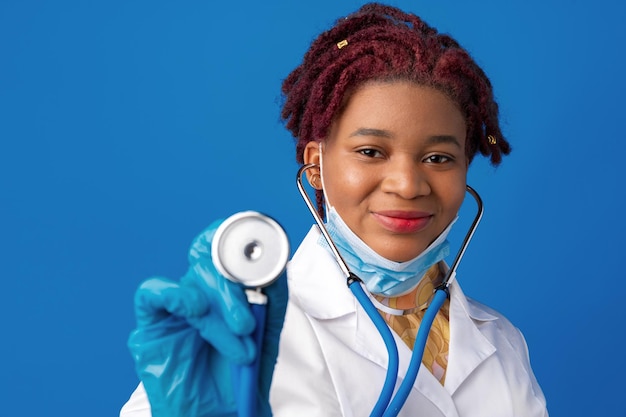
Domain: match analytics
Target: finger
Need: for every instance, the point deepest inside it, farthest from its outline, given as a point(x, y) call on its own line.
point(146, 341)
point(229, 297)
point(157, 298)
point(213, 329)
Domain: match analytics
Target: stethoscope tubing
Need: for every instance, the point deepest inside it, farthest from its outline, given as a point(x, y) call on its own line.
point(404, 390)
point(246, 377)
point(390, 344)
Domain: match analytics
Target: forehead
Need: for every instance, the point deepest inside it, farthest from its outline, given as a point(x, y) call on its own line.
point(402, 105)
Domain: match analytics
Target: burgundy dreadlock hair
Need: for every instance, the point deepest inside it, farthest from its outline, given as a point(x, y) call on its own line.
point(384, 43)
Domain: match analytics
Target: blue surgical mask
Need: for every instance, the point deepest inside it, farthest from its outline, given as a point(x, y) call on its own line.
point(380, 275)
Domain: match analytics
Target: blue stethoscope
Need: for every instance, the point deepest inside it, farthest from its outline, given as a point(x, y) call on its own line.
point(252, 249)
point(389, 405)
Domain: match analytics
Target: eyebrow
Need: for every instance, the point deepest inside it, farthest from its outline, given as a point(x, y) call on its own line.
point(444, 139)
point(436, 139)
point(366, 131)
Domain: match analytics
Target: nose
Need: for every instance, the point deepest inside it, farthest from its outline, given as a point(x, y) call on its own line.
point(405, 179)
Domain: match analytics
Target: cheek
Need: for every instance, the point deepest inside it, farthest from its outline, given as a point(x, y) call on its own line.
point(457, 194)
point(339, 181)
point(456, 204)
point(340, 187)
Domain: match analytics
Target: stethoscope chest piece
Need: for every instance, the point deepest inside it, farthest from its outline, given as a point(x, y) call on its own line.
point(250, 248)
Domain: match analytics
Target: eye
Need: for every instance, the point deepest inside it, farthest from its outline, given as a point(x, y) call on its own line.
point(438, 159)
point(370, 152)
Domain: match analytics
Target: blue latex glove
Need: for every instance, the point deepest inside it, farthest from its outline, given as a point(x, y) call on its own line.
point(190, 333)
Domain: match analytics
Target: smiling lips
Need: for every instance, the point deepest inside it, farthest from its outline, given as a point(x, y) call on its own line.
point(403, 221)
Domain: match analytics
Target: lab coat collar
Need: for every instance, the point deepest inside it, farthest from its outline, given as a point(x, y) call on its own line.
point(321, 288)
point(470, 308)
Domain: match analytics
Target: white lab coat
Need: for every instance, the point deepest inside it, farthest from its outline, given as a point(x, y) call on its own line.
point(332, 361)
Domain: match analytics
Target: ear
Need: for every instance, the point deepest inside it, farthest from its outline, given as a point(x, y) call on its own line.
point(311, 155)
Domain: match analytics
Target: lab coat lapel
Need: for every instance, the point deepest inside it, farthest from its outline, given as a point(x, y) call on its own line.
point(468, 346)
point(326, 296)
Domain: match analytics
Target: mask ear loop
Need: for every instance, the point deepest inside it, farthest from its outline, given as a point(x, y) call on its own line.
point(354, 283)
point(327, 203)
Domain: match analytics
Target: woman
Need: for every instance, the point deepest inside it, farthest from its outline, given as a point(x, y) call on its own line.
point(391, 113)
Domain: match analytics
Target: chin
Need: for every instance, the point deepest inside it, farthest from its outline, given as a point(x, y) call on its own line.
point(405, 250)
point(398, 255)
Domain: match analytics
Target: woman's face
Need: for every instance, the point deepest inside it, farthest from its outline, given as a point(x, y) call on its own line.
point(394, 166)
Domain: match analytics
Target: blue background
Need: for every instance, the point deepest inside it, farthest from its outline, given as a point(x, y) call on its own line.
point(128, 126)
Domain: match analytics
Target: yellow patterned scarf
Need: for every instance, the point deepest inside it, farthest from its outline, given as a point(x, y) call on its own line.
point(406, 326)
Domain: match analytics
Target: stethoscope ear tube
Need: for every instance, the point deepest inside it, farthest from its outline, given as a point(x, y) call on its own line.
point(451, 275)
point(320, 223)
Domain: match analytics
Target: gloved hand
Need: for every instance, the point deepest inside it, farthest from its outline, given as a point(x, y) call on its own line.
point(189, 334)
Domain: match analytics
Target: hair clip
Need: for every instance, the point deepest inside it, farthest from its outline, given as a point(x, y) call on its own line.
point(342, 44)
point(491, 139)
